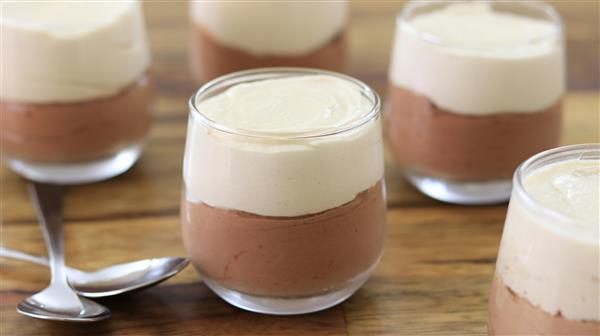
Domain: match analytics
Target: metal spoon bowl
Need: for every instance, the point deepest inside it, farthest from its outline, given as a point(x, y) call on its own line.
point(90, 311)
point(127, 277)
point(115, 279)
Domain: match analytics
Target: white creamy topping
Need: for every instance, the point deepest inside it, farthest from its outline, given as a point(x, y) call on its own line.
point(288, 105)
point(552, 261)
point(288, 28)
point(283, 177)
point(473, 60)
point(570, 187)
point(58, 51)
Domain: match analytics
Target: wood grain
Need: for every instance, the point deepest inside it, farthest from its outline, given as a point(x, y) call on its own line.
point(436, 270)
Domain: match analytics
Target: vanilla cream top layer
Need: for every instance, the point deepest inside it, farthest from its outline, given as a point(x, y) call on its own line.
point(289, 105)
point(571, 188)
point(58, 51)
point(286, 28)
point(553, 261)
point(471, 59)
point(276, 175)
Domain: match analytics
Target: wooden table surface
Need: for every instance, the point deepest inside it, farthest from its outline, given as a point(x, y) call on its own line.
point(438, 261)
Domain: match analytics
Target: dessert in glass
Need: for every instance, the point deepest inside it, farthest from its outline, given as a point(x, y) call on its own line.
point(76, 89)
point(547, 276)
point(475, 89)
point(283, 209)
point(230, 36)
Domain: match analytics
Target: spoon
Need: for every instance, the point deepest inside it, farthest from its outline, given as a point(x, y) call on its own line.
point(112, 280)
point(58, 301)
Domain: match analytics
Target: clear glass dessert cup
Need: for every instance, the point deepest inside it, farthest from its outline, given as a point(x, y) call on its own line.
point(76, 90)
point(450, 127)
point(210, 57)
point(548, 268)
point(281, 264)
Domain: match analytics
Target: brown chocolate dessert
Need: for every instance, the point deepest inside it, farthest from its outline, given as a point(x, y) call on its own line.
point(72, 132)
point(436, 142)
point(286, 256)
point(210, 59)
point(510, 314)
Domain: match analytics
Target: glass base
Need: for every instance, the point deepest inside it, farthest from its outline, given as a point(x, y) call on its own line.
point(77, 173)
point(458, 192)
point(288, 306)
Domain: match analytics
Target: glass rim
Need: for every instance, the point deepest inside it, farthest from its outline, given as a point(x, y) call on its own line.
point(520, 174)
point(373, 113)
point(549, 10)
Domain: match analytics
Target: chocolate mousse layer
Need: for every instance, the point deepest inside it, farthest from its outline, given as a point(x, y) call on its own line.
point(286, 256)
point(436, 142)
point(211, 59)
point(82, 131)
point(510, 314)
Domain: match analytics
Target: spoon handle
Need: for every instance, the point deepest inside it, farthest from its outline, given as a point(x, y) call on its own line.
point(48, 205)
point(6, 252)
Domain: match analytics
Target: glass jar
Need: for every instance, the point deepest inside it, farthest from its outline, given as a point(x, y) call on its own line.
point(75, 106)
point(547, 273)
point(283, 223)
point(475, 89)
point(233, 36)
